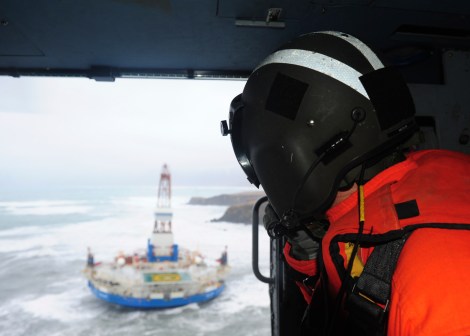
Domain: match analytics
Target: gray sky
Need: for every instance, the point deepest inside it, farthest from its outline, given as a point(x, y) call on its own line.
point(69, 131)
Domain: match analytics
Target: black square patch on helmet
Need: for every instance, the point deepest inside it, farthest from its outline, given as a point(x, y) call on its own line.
point(390, 96)
point(285, 96)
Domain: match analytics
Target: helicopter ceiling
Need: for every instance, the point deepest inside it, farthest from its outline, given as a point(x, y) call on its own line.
point(107, 39)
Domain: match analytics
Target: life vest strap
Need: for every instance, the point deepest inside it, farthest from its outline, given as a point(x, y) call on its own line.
point(367, 302)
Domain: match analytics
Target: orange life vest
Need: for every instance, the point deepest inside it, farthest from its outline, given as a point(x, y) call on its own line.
point(428, 195)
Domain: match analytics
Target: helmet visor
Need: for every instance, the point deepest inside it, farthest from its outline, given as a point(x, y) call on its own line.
point(236, 125)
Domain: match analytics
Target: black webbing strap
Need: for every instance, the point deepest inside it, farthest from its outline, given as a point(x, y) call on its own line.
point(368, 300)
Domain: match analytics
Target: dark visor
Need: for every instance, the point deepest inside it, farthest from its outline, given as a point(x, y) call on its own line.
point(235, 131)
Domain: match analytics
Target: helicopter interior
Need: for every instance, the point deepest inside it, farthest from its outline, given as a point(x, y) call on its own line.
point(427, 40)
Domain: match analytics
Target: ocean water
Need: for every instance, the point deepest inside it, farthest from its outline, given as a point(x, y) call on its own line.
point(44, 235)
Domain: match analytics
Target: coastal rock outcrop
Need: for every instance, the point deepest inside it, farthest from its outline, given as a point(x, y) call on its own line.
point(240, 205)
point(228, 199)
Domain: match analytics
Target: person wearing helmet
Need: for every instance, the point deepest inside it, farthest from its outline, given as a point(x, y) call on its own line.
point(380, 231)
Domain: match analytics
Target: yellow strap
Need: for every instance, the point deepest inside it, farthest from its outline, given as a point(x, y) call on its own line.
point(361, 203)
point(358, 265)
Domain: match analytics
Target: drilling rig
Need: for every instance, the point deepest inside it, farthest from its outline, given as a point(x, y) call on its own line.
point(161, 245)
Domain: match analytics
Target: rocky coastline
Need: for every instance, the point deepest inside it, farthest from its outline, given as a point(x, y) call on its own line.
point(240, 205)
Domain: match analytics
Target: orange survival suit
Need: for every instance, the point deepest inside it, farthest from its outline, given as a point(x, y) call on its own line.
point(427, 196)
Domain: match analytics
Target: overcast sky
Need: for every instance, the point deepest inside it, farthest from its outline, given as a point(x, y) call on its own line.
point(68, 131)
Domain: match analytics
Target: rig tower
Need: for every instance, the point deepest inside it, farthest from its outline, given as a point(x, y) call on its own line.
point(161, 246)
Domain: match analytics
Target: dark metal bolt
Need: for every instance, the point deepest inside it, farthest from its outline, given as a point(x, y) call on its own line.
point(358, 114)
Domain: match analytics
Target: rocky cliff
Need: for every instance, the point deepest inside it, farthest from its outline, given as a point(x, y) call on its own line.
point(242, 213)
point(228, 199)
point(240, 205)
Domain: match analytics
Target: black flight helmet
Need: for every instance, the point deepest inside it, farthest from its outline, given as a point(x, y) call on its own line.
point(311, 114)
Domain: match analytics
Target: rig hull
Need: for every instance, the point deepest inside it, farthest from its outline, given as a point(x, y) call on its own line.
point(146, 303)
point(160, 284)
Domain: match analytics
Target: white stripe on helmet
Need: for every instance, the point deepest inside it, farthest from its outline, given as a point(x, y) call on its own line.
point(359, 45)
point(320, 63)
